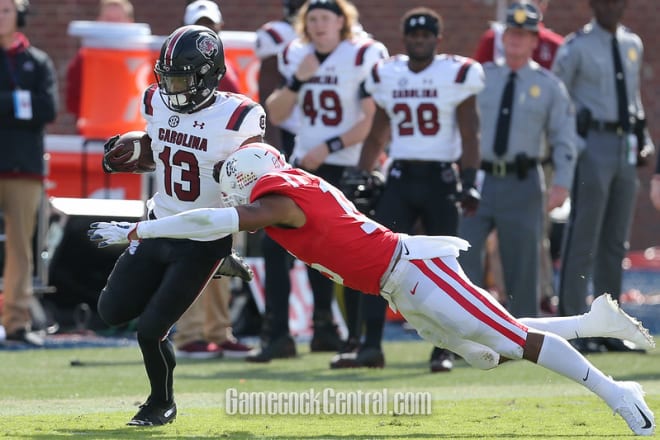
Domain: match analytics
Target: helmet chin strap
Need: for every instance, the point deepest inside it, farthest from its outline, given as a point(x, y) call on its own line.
point(203, 103)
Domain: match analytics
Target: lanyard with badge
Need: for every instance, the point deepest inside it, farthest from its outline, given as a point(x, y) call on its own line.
point(22, 98)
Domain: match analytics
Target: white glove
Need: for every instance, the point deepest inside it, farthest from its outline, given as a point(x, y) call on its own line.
point(107, 233)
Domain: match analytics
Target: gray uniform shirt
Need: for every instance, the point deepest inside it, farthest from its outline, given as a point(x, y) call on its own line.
point(541, 107)
point(585, 64)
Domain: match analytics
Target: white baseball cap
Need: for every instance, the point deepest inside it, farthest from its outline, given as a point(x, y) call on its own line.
point(202, 8)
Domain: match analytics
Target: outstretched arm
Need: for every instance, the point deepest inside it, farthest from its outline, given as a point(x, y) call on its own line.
point(204, 222)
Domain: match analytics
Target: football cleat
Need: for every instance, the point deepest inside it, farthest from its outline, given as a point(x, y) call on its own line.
point(369, 357)
point(280, 348)
point(607, 319)
point(630, 405)
point(154, 414)
point(234, 266)
point(442, 360)
point(326, 338)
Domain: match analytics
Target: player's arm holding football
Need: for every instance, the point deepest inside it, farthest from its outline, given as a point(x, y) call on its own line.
point(128, 153)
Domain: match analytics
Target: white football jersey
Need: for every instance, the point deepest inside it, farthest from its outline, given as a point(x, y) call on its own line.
point(422, 105)
point(187, 145)
point(330, 101)
point(272, 37)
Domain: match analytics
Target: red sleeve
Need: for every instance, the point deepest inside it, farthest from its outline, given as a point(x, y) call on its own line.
point(229, 82)
point(73, 85)
point(485, 51)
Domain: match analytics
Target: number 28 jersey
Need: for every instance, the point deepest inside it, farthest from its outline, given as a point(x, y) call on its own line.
point(422, 105)
point(187, 145)
point(359, 250)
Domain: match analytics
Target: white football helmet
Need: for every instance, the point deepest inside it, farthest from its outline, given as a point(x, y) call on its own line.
point(242, 169)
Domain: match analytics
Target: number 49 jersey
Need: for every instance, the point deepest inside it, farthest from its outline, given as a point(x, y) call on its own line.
point(422, 105)
point(187, 145)
point(330, 100)
point(336, 239)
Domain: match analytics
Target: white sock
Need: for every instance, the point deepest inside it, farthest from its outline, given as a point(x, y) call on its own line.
point(568, 327)
point(559, 356)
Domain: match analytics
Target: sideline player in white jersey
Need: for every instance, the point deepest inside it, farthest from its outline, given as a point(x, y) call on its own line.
point(276, 339)
point(426, 112)
point(272, 38)
point(419, 275)
point(324, 68)
point(192, 126)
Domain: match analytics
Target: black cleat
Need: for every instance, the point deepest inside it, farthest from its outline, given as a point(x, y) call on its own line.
point(365, 357)
point(234, 266)
point(326, 338)
point(279, 348)
point(154, 414)
point(442, 360)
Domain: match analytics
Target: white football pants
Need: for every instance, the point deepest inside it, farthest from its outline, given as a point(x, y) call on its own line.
point(436, 297)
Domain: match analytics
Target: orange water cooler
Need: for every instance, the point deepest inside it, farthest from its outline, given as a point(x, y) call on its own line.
point(117, 66)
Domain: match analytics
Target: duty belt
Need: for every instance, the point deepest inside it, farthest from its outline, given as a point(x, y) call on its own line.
point(612, 127)
point(500, 168)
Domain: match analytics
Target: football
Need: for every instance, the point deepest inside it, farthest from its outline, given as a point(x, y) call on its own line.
point(131, 153)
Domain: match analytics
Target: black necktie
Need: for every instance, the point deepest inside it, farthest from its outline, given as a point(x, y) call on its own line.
point(504, 118)
point(620, 81)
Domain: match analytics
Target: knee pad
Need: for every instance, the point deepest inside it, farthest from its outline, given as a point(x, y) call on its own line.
point(483, 360)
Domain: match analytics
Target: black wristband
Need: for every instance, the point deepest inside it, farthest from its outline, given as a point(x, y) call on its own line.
point(468, 176)
point(295, 84)
point(334, 144)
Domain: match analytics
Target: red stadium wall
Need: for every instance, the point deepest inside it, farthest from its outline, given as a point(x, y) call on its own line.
point(464, 20)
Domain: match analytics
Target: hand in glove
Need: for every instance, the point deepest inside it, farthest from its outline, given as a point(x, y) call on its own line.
point(107, 233)
point(469, 196)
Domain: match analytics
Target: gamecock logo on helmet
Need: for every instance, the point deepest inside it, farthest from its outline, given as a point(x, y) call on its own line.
point(207, 46)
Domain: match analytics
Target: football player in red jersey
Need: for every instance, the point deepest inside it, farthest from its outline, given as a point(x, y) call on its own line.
point(418, 275)
point(192, 126)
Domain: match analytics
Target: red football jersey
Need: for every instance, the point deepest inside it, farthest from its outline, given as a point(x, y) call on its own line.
point(337, 240)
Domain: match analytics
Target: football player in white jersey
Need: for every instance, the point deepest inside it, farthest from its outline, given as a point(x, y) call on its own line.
point(276, 339)
point(426, 112)
point(272, 38)
point(324, 68)
point(192, 126)
point(418, 275)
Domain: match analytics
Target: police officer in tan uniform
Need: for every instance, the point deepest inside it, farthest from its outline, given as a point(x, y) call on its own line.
point(601, 65)
point(521, 103)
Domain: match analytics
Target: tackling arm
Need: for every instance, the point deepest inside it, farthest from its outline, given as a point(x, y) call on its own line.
point(204, 222)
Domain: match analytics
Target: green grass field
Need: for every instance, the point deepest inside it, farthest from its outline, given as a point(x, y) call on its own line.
point(43, 397)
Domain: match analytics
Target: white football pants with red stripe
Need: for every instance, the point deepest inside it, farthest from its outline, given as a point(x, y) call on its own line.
point(436, 297)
